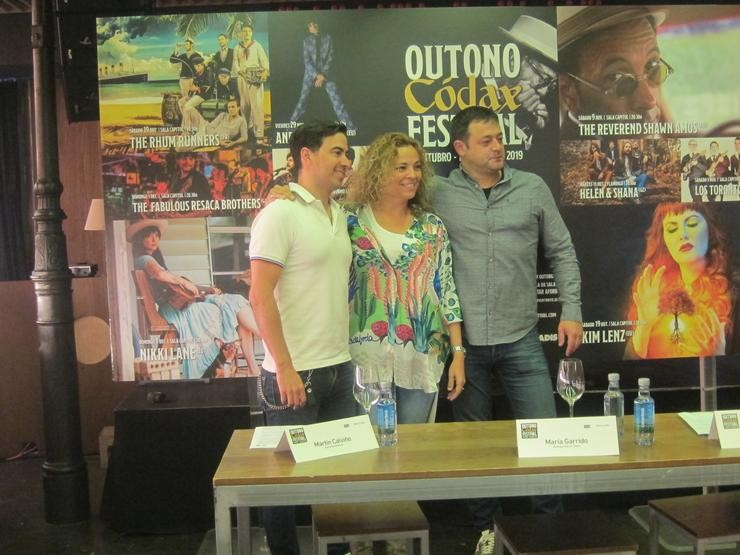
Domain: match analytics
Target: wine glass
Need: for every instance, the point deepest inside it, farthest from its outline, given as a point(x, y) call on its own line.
point(571, 383)
point(366, 386)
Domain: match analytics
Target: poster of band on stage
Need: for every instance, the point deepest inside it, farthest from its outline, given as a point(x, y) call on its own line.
point(196, 111)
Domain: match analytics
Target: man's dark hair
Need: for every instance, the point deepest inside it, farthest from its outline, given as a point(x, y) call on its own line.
point(713, 143)
point(223, 35)
point(311, 135)
point(460, 123)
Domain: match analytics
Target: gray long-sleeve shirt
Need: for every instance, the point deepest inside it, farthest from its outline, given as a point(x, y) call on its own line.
point(494, 248)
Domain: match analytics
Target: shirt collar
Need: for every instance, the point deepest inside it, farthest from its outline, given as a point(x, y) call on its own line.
point(307, 196)
point(505, 175)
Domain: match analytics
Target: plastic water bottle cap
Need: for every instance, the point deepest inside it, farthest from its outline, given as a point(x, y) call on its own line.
point(613, 376)
point(643, 382)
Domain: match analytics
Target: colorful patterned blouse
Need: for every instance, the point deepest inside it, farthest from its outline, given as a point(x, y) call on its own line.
point(398, 310)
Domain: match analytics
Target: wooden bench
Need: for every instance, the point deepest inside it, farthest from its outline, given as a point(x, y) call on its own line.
point(342, 523)
point(577, 533)
point(708, 519)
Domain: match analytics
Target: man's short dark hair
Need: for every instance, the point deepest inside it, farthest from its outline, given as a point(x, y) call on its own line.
point(223, 35)
point(311, 135)
point(713, 143)
point(460, 123)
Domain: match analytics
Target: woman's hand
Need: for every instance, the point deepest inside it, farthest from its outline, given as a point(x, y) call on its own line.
point(646, 298)
point(190, 287)
point(456, 376)
point(279, 192)
point(647, 294)
point(709, 334)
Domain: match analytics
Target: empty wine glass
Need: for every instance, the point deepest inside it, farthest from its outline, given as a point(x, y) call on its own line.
point(366, 387)
point(571, 383)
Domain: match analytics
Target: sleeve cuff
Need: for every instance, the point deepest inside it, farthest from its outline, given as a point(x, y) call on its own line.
point(572, 313)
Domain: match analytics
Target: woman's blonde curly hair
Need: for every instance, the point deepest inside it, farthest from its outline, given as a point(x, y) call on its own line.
point(367, 183)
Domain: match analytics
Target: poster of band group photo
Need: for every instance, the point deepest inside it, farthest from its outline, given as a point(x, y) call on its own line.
point(630, 115)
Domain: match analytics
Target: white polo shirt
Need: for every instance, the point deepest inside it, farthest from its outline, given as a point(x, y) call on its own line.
point(312, 291)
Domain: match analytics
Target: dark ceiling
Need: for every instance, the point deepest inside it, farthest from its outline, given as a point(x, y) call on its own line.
point(24, 6)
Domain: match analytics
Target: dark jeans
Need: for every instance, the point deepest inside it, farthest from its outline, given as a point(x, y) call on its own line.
point(522, 370)
point(332, 399)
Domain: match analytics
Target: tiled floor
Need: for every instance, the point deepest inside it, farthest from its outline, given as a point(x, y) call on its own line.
point(23, 530)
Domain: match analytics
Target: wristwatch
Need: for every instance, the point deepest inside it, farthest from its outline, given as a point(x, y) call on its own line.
point(458, 349)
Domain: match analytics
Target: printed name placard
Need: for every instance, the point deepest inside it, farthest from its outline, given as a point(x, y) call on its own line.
point(567, 437)
point(726, 428)
point(328, 439)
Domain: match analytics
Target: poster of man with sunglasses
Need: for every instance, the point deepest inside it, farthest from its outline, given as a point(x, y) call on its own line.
point(649, 71)
point(611, 71)
point(537, 78)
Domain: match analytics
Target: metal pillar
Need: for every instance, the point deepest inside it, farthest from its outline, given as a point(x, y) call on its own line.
point(66, 497)
point(708, 383)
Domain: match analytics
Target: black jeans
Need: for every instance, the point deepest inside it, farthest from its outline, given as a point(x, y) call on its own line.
point(331, 399)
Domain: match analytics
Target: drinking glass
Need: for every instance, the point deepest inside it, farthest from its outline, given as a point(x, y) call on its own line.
point(366, 387)
point(571, 383)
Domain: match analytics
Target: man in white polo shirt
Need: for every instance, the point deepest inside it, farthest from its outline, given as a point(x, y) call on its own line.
point(300, 259)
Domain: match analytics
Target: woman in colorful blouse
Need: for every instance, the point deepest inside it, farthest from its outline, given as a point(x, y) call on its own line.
point(404, 312)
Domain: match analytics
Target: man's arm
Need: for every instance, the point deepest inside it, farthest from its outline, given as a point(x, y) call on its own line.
point(328, 59)
point(561, 257)
point(265, 276)
point(263, 61)
point(309, 53)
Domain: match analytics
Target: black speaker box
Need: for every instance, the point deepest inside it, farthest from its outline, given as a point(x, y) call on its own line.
point(169, 439)
point(77, 40)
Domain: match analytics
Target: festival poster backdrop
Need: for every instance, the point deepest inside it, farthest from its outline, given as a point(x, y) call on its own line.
point(627, 161)
point(173, 154)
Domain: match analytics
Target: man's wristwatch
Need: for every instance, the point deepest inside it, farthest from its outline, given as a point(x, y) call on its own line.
point(458, 349)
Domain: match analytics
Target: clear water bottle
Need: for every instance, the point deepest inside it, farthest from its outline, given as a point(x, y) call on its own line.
point(387, 419)
point(614, 402)
point(644, 414)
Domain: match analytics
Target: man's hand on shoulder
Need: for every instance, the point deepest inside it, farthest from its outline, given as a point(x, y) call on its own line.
point(570, 334)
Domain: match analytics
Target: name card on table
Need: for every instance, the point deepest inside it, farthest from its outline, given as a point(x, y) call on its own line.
point(726, 428)
point(567, 437)
point(311, 442)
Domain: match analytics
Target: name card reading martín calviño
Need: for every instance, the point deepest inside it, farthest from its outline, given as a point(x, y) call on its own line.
point(310, 442)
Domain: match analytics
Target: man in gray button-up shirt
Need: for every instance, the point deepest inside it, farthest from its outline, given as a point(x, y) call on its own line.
point(497, 217)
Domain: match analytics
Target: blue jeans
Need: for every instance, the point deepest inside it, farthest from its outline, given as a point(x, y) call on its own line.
point(332, 398)
point(522, 369)
point(412, 406)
